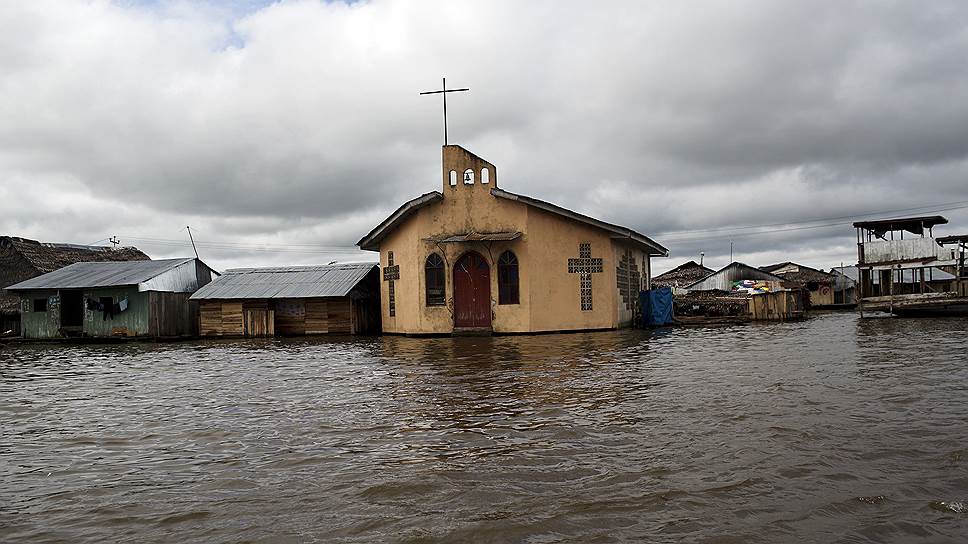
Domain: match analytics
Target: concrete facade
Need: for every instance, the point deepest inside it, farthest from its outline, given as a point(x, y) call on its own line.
point(543, 240)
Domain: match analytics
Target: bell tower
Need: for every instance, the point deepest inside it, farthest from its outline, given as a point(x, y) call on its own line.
point(465, 171)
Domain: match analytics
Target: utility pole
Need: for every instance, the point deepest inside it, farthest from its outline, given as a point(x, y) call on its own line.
point(193, 241)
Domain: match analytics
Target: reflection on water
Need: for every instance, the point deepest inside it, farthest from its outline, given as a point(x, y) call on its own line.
point(826, 430)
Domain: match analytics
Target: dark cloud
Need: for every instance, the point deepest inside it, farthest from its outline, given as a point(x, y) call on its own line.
point(297, 125)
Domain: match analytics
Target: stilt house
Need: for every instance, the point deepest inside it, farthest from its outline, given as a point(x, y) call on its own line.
point(819, 284)
point(137, 298)
point(22, 259)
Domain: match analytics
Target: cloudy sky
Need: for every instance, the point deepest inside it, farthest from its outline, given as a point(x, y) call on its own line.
point(282, 132)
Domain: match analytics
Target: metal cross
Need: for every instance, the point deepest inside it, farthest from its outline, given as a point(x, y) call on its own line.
point(585, 266)
point(444, 90)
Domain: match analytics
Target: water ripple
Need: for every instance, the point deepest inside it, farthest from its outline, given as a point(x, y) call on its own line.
point(833, 429)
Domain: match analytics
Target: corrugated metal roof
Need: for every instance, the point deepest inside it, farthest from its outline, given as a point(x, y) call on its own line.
point(101, 274)
point(335, 280)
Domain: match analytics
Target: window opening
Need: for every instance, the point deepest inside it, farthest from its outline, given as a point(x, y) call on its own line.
point(453, 178)
point(40, 304)
point(485, 176)
point(468, 177)
point(507, 278)
point(436, 286)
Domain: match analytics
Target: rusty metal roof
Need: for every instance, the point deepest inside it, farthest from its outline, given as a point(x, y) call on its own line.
point(336, 280)
point(100, 274)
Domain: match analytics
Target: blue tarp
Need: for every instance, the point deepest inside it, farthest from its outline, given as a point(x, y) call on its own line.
point(656, 307)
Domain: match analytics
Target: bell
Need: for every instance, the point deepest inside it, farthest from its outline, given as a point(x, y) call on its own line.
point(468, 178)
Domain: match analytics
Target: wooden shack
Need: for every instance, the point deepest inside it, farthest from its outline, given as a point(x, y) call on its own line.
point(104, 299)
point(740, 292)
point(292, 301)
point(819, 284)
point(22, 259)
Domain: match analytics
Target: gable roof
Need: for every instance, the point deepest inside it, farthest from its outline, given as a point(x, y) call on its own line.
point(372, 240)
point(47, 257)
point(617, 232)
point(100, 274)
point(803, 274)
point(736, 270)
point(335, 280)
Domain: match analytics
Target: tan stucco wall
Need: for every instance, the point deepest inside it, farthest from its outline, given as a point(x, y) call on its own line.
point(550, 298)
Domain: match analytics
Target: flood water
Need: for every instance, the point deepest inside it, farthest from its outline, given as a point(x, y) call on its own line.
point(830, 430)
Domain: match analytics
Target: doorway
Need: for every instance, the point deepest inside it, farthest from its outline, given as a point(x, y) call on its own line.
point(72, 308)
point(472, 292)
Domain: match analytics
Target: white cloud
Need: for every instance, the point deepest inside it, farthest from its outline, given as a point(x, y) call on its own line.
point(299, 123)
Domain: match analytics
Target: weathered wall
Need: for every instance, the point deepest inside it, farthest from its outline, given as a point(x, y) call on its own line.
point(133, 322)
point(555, 292)
point(39, 324)
point(286, 317)
point(632, 269)
point(220, 318)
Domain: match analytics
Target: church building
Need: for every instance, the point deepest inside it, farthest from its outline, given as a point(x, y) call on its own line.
point(474, 258)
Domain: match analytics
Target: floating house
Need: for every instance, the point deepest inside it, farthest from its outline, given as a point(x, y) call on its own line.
point(742, 292)
point(916, 274)
point(22, 259)
point(819, 284)
point(845, 286)
point(473, 258)
point(681, 276)
point(292, 301)
point(104, 299)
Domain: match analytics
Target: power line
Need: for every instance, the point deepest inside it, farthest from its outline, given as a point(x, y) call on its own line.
point(731, 234)
point(806, 221)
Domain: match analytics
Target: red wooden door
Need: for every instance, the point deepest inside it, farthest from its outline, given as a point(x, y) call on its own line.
point(472, 292)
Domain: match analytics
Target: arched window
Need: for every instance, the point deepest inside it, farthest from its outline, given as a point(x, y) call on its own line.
point(468, 177)
point(485, 175)
point(507, 278)
point(453, 178)
point(434, 272)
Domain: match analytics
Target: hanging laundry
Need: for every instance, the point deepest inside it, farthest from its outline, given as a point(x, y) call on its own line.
point(123, 305)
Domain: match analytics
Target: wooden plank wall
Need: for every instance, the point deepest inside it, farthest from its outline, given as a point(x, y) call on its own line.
point(290, 317)
point(170, 314)
point(317, 317)
point(776, 306)
point(217, 318)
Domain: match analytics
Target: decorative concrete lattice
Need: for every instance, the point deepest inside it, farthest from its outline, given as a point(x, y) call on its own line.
point(628, 280)
point(585, 266)
point(391, 272)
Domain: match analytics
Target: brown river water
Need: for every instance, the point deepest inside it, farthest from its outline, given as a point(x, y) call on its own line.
point(830, 430)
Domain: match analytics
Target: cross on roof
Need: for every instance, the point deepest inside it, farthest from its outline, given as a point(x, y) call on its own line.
point(444, 90)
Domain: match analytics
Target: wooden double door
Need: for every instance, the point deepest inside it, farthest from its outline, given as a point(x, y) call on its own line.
point(472, 292)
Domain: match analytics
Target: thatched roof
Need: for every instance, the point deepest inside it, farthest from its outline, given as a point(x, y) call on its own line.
point(682, 275)
point(22, 259)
